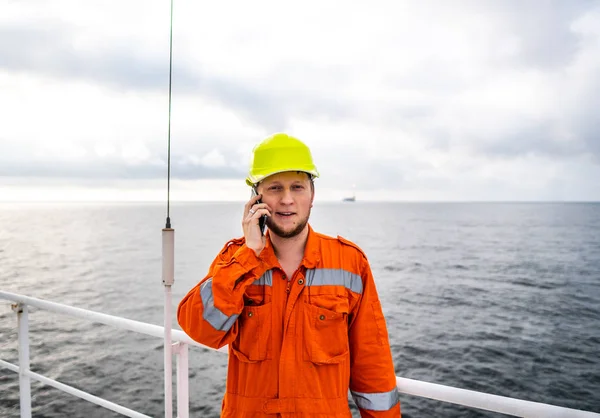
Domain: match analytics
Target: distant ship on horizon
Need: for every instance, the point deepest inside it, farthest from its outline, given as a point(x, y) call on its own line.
point(351, 198)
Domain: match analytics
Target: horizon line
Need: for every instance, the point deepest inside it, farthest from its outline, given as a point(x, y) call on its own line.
point(316, 201)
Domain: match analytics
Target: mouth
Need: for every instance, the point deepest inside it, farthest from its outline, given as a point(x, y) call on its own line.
point(285, 214)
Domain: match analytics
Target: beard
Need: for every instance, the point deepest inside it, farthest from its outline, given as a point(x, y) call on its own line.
point(275, 229)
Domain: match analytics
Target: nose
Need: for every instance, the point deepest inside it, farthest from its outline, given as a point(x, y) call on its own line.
point(287, 199)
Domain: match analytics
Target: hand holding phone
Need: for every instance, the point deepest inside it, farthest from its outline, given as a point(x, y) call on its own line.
point(262, 222)
point(254, 223)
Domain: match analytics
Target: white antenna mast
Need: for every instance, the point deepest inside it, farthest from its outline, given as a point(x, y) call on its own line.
point(168, 256)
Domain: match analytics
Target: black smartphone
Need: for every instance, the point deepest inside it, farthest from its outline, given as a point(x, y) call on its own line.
point(262, 222)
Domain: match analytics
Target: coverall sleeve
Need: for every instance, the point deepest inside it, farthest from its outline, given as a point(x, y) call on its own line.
point(372, 374)
point(209, 312)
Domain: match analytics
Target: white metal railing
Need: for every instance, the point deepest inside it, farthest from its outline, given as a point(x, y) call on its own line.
point(180, 340)
point(505, 405)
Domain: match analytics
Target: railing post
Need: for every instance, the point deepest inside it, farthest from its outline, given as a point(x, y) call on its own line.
point(24, 380)
point(168, 359)
point(183, 402)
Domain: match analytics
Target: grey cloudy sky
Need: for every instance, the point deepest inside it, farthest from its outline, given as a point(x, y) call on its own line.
point(404, 100)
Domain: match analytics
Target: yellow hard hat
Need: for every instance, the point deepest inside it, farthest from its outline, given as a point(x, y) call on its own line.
point(278, 153)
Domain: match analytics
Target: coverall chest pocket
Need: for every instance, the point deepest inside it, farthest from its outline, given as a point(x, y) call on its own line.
point(253, 342)
point(325, 335)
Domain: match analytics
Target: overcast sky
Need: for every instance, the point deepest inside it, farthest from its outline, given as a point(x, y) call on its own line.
point(401, 100)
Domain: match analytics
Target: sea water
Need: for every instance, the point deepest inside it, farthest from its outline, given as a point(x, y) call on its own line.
point(502, 298)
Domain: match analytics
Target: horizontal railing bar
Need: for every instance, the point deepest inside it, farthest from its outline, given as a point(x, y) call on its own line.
point(480, 400)
point(9, 366)
point(113, 321)
point(76, 392)
point(486, 401)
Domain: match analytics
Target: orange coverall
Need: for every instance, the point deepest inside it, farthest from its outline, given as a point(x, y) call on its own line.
point(296, 344)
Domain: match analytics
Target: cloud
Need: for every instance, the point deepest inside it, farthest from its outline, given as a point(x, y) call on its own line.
point(131, 161)
point(50, 49)
point(541, 35)
point(396, 96)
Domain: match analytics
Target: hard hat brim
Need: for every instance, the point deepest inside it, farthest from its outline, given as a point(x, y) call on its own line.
point(254, 180)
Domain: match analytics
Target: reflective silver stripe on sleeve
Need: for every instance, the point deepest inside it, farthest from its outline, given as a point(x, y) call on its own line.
point(334, 277)
point(212, 315)
point(376, 401)
point(265, 280)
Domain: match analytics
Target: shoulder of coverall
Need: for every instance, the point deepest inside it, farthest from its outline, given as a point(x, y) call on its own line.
point(348, 253)
point(232, 246)
point(351, 244)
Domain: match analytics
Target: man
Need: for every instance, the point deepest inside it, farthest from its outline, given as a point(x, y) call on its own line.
point(299, 309)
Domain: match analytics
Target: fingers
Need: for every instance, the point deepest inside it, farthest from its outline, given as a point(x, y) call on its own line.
point(254, 213)
point(255, 239)
point(251, 202)
point(252, 218)
point(256, 208)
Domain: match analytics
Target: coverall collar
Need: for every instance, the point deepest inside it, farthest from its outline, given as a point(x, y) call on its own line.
point(311, 250)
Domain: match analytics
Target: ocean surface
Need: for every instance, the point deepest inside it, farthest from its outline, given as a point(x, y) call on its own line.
point(502, 298)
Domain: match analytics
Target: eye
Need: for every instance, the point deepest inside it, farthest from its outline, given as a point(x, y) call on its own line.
point(298, 187)
point(275, 188)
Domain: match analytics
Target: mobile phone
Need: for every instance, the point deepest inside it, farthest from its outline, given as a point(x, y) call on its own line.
point(262, 222)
